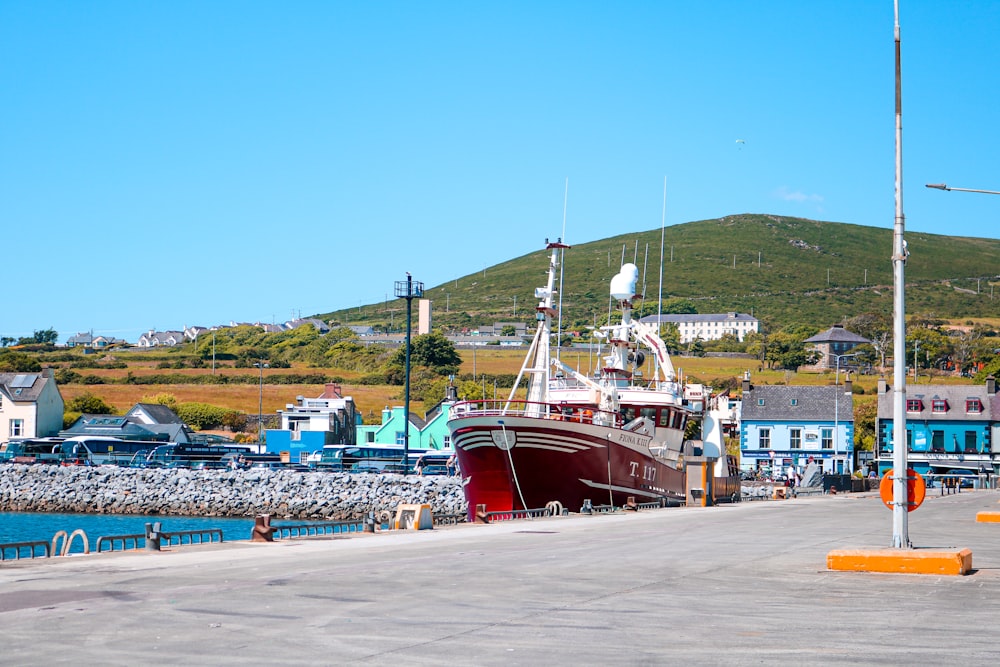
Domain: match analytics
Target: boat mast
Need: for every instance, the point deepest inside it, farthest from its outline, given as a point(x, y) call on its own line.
point(536, 362)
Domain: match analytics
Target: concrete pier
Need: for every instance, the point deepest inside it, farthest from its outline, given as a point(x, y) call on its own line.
point(729, 585)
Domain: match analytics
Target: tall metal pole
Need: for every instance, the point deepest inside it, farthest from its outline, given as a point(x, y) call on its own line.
point(406, 391)
point(408, 290)
point(900, 526)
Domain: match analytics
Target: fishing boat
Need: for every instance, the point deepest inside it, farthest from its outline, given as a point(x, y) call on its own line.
point(576, 439)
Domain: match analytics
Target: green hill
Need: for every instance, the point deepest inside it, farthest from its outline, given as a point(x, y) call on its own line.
point(782, 270)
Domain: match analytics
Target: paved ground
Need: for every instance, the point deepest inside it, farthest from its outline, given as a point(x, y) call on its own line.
point(732, 585)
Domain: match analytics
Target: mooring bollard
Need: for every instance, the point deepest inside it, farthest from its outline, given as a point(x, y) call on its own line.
point(370, 523)
point(153, 536)
point(587, 507)
point(262, 531)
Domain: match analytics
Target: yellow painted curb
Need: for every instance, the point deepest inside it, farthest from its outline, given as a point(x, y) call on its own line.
point(902, 561)
point(988, 517)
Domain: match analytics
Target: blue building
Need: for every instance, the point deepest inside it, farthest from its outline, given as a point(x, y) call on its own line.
point(427, 432)
point(312, 423)
point(947, 427)
point(783, 426)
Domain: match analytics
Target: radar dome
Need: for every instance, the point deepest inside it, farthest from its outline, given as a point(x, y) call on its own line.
point(623, 284)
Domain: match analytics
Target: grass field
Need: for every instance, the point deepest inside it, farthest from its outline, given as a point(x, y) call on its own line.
point(371, 399)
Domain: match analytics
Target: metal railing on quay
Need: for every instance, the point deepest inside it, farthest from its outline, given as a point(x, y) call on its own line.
point(317, 529)
point(17, 547)
point(111, 540)
point(510, 515)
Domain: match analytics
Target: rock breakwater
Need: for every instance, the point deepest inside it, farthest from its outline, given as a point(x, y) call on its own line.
point(225, 493)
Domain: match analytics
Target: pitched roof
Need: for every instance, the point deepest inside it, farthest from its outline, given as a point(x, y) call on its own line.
point(160, 414)
point(812, 403)
point(20, 387)
point(837, 334)
point(955, 395)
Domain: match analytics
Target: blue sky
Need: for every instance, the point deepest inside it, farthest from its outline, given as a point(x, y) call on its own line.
point(170, 164)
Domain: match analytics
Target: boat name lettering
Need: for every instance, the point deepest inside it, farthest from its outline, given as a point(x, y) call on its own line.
point(632, 438)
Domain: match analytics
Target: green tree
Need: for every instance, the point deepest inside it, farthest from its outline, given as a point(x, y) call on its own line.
point(432, 350)
point(865, 424)
point(166, 399)
point(508, 330)
point(18, 362)
point(89, 404)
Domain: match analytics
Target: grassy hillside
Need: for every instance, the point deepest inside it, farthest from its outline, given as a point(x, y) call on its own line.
point(783, 270)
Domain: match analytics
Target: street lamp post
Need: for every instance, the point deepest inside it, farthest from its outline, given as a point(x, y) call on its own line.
point(943, 186)
point(836, 411)
point(407, 289)
point(260, 400)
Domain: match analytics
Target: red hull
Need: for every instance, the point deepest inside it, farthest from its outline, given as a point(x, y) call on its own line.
point(510, 463)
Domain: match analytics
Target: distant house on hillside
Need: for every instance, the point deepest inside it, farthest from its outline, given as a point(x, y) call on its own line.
point(496, 329)
point(692, 327)
point(192, 333)
point(320, 325)
point(89, 340)
point(832, 343)
point(30, 405)
point(161, 339)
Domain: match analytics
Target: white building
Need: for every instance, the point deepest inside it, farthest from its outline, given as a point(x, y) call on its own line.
point(710, 326)
point(30, 405)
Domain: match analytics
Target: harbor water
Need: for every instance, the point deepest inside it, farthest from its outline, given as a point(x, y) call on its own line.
point(41, 527)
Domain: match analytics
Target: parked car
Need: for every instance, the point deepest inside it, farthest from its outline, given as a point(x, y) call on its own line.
point(268, 465)
point(434, 470)
point(966, 478)
point(208, 465)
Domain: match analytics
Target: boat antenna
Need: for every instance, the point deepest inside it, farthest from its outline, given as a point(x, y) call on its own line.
point(659, 292)
point(562, 263)
point(645, 263)
point(663, 224)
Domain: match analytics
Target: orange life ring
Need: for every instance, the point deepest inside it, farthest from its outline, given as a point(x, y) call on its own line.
point(916, 489)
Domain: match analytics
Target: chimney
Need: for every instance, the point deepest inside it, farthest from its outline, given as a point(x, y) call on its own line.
point(991, 385)
point(746, 382)
point(882, 386)
point(848, 386)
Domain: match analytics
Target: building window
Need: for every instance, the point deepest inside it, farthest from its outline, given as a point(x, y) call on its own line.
point(795, 438)
point(939, 405)
point(937, 441)
point(446, 442)
point(914, 405)
point(973, 406)
point(765, 439)
point(795, 401)
point(826, 438)
point(970, 441)
point(400, 437)
point(370, 436)
point(16, 428)
point(760, 402)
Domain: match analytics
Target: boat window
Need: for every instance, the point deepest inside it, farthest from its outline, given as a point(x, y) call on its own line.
point(649, 413)
point(664, 420)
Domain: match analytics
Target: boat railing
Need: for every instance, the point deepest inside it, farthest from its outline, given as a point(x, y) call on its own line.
point(557, 411)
